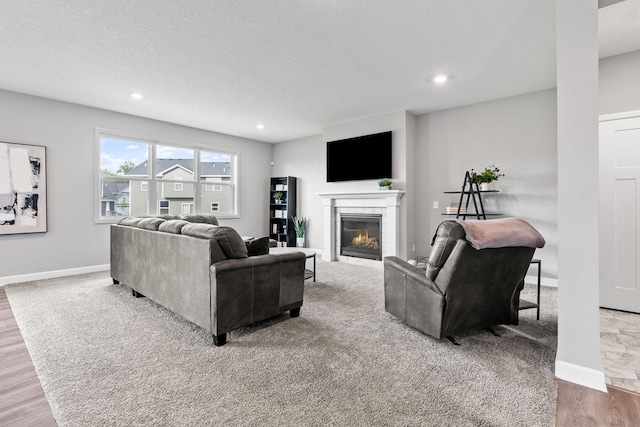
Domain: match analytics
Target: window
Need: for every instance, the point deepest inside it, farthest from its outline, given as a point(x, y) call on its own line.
point(143, 177)
point(216, 175)
point(164, 206)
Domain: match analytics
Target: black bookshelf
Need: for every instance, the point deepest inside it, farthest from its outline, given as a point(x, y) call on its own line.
point(280, 212)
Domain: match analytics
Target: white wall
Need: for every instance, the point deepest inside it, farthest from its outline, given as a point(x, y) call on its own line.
point(306, 159)
point(518, 135)
point(68, 132)
point(619, 83)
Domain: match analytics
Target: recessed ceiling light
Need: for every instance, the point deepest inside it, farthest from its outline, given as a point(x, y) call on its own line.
point(136, 95)
point(260, 126)
point(440, 79)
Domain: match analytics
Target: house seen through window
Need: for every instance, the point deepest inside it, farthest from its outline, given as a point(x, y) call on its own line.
point(142, 177)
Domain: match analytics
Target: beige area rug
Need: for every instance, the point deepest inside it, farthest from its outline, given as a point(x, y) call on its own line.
point(107, 359)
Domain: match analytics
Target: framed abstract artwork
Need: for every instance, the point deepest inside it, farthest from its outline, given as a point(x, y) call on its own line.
point(23, 188)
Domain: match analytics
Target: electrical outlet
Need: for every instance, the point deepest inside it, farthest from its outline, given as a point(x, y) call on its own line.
point(435, 205)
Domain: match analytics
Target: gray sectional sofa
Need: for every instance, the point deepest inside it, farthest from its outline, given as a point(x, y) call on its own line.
point(203, 272)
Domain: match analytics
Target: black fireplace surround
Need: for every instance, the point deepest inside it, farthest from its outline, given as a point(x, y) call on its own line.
point(360, 236)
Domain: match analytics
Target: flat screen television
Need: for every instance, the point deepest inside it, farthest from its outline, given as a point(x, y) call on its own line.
point(363, 157)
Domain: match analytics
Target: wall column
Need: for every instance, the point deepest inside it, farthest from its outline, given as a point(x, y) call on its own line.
point(578, 355)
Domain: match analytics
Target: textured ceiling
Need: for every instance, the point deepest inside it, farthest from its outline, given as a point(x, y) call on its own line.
point(296, 66)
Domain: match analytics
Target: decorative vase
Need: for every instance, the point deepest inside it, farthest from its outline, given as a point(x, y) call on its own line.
point(386, 187)
point(486, 186)
point(300, 242)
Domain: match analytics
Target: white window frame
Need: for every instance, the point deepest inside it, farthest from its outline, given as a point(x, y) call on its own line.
point(178, 186)
point(160, 207)
point(189, 205)
point(151, 181)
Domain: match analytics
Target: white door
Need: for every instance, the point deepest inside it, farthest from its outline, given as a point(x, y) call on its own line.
point(620, 212)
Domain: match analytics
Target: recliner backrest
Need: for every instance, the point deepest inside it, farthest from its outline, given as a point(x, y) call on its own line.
point(443, 242)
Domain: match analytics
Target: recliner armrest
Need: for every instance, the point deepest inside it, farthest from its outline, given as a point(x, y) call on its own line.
point(411, 271)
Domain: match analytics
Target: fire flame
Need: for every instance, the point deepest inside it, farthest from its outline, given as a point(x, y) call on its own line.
point(363, 241)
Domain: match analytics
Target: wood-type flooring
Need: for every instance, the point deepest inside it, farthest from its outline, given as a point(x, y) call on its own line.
point(22, 401)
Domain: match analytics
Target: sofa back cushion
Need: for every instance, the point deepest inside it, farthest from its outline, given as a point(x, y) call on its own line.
point(150, 223)
point(173, 226)
point(201, 219)
point(130, 221)
point(229, 240)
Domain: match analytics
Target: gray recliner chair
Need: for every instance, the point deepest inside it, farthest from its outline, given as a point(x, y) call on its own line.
point(473, 278)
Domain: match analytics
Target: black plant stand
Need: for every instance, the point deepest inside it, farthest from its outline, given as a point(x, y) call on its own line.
point(473, 193)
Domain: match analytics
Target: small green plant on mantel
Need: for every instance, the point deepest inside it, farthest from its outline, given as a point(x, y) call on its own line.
point(300, 225)
point(489, 174)
point(384, 183)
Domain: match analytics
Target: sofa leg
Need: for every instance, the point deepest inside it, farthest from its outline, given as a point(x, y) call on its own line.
point(453, 340)
point(294, 312)
point(493, 331)
point(115, 282)
point(220, 340)
point(136, 294)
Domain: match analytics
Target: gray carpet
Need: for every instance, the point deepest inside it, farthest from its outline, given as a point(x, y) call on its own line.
point(106, 358)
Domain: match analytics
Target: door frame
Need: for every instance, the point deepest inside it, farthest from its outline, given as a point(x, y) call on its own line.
point(606, 118)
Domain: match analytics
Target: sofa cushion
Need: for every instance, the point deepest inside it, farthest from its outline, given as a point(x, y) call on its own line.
point(259, 246)
point(169, 216)
point(201, 219)
point(173, 226)
point(229, 240)
point(150, 223)
point(130, 221)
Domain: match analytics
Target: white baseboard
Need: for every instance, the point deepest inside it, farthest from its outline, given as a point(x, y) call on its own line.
point(580, 375)
point(52, 274)
point(544, 281)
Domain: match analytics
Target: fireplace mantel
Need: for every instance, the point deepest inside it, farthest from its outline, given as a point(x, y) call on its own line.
point(388, 200)
point(380, 194)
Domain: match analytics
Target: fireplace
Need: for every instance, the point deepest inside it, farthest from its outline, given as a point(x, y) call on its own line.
point(360, 236)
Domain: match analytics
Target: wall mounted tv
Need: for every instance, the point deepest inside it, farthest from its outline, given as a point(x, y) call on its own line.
point(363, 157)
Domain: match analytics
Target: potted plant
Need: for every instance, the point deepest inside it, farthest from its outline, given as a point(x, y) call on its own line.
point(486, 177)
point(384, 184)
point(277, 197)
point(300, 226)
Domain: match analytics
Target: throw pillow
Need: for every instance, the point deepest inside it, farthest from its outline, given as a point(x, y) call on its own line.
point(259, 246)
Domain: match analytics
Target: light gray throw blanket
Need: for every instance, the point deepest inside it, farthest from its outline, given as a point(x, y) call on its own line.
point(500, 233)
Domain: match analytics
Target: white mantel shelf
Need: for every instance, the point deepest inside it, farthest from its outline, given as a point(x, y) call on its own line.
point(380, 194)
point(389, 200)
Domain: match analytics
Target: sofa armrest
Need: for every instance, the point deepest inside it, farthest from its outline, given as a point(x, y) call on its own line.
point(247, 290)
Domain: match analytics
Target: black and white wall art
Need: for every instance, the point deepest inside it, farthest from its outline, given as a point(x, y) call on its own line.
point(23, 188)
